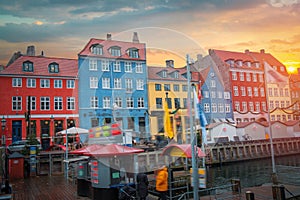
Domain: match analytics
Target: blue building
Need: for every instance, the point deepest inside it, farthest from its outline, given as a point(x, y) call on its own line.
point(216, 100)
point(113, 85)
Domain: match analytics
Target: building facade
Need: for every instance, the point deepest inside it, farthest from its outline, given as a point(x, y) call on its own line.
point(112, 85)
point(39, 98)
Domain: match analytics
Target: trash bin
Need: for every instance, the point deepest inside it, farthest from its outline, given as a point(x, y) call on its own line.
point(83, 185)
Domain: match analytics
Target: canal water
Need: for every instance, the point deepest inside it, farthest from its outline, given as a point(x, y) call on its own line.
point(256, 172)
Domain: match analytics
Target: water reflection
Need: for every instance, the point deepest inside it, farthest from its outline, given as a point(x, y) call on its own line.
point(257, 172)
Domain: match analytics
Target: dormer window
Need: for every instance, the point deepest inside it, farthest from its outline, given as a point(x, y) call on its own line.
point(164, 74)
point(240, 63)
point(53, 68)
point(27, 66)
point(230, 62)
point(248, 64)
point(256, 64)
point(97, 49)
point(282, 69)
point(115, 51)
point(176, 74)
point(133, 53)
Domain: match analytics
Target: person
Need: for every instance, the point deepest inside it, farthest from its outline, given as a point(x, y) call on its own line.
point(162, 182)
point(142, 184)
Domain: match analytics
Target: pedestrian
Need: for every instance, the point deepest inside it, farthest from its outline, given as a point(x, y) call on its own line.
point(162, 182)
point(142, 184)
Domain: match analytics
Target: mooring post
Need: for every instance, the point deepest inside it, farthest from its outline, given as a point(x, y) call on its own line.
point(249, 195)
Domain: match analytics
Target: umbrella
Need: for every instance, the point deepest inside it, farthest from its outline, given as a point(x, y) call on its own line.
point(181, 150)
point(86, 149)
point(73, 130)
point(112, 150)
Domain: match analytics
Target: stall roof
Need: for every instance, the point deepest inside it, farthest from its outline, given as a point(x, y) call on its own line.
point(86, 149)
point(181, 150)
point(113, 150)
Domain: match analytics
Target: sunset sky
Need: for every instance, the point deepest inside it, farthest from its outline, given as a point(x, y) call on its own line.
point(170, 28)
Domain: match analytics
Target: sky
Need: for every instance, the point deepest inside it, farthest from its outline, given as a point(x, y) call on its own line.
point(171, 29)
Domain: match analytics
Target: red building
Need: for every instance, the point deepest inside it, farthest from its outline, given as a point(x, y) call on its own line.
point(49, 86)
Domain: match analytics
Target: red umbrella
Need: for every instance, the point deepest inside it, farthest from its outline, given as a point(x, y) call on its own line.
point(112, 150)
point(181, 150)
point(86, 149)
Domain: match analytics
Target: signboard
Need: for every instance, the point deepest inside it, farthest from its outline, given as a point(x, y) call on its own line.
point(107, 134)
point(201, 176)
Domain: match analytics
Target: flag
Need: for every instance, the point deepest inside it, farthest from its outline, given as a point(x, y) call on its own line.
point(199, 114)
point(273, 76)
point(167, 122)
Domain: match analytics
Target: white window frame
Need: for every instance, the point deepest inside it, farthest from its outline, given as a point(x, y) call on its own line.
point(31, 82)
point(70, 103)
point(116, 66)
point(44, 103)
point(141, 102)
point(94, 102)
point(93, 65)
point(128, 67)
point(93, 82)
point(105, 65)
point(117, 83)
point(140, 84)
point(129, 102)
point(58, 103)
point(70, 84)
point(58, 83)
point(105, 83)
point(106, 102)
point(16, 82)
point(139, 68)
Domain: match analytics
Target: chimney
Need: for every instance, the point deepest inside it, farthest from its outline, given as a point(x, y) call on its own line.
point(135, 38)
point(247, 51)
point(108, 36)
point(262, 51)
point(30, 51)
point(170, 63)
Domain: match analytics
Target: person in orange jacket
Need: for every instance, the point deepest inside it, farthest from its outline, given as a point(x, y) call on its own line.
point(162, 182)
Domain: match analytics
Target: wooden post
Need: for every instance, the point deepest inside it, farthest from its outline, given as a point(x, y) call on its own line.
point(249, 195)
point(278, 192)
point(236, 186)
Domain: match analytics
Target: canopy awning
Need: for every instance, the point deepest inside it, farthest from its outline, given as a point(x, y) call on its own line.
point(87, 149)
point(181, 150)
point(113, 150)
point(73, 130)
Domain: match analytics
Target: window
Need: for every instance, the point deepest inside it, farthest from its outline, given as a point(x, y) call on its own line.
point(115, 51)
point(70, 103)
point(140, 102)
point(244, 106)
point(53, 68)
point(213, 94)
point(254, 77)
point(226, 95)
point(261, 78)
point(185, 103)
point(167, 87)
point(184, 88)
point(16, 103)
point(106, 102)
point(249, 89)
point(264, 106)
point(133, 53)
point(277, 104)
point(157, 87)
point(32, 103)
point(257, 106)
point(282, 104)
point(105, 83)
point(282, 68)
point(176, 74)
point(243, 91)
point(129, 102)
point(206, 94)
point(139, 68)
point(140, 84)
point(57, 83)
point(271, 105)
point(70, 84)
point(118, 102)
point(45, 103)
point(158, 103)
point(255, 91)
point(213, 108)
point(17, 82)
point(278, 117)
point(31, 83)
point(176, 88)
point(281, 92)
point(116, 66)
point(27, 66)
point(270, 92)
point(251, 106)
point(177, 102)
point(234, 76)
point(256, 64)
point(93, 65)
point(248, 77)
point(275, 92)
point(242, 77)
point(128, 85)
point(164, 74)
point(128, 67)
point(237, 106)
point(206, 108)
point(93, 82)
point(227, 108)
point(235, 90)
point(94, 102)
point(212, 83)
point(221, 108)
point(58, 103)
point(117, 83)
point(97, 49)
point(286, 92)
point(287, 104)
point(262, 92)
point(105, 65)
point(45, 83)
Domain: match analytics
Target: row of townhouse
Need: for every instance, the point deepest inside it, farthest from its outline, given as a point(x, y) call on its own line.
point(110, 81)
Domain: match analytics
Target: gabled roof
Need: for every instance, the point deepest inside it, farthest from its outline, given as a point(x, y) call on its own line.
point(153, 73)
point(107, 44)
point(245, 124)
point(67, 67)
point(227, 55)
point(212, 125)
